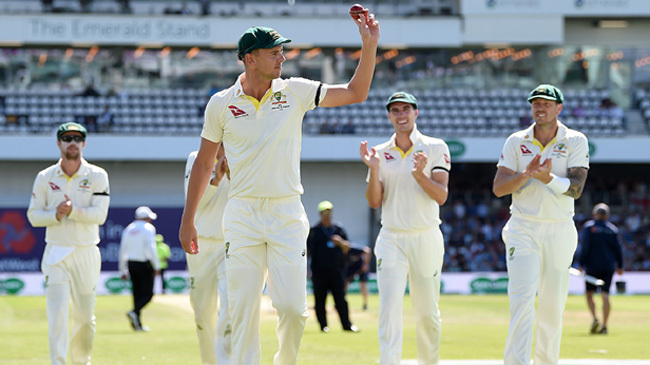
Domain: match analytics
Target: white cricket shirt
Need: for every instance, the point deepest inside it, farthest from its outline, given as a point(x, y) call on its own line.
point(88, 191)
point(138, 244)
point(262, 139)
point(406, 206)
point(209, 213)
point(534, 199)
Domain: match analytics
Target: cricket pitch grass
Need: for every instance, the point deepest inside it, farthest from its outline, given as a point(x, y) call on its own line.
point(474, 328)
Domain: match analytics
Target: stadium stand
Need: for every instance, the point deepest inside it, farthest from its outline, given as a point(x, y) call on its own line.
point(179, 111)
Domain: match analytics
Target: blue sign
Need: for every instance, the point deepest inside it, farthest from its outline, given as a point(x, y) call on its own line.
point(21, 245)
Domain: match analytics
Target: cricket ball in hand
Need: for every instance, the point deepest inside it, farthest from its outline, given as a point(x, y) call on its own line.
point(356, 11)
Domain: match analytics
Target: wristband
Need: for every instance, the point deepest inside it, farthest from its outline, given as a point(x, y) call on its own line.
point(559, 185)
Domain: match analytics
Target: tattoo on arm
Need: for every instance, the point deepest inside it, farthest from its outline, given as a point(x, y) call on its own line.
point(578, 177)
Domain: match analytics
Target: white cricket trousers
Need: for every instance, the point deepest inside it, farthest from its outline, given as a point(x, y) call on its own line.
point(266, 234)
point(73, 279)
point(415, 256)
point(538, 254)
point(209, 295)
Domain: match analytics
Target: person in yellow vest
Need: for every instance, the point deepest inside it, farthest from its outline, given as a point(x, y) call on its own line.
point(164, 253)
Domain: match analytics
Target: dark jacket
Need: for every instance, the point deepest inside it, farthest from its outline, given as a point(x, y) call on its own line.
point(324, 253)
point(600, 247)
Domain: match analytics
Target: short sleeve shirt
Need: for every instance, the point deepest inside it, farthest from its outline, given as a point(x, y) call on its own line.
point(262, 139)
point(406, 206)
point(534, 199)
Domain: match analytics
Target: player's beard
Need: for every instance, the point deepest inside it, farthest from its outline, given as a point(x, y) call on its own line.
point(72, 154)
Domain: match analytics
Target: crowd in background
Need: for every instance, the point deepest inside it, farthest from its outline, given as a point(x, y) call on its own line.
point(472, 229)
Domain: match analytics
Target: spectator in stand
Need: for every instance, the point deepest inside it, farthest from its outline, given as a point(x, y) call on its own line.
point(205, 7)
point(48, 5)
point(105, 120)
point(125, 6)
point(89, 91)
point(348, 128)
point(579, 111)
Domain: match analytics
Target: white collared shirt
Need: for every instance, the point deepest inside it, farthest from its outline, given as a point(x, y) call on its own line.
point(262, 139)
point(138, 244)
point(534, 199)
point(209, 213)
point(88, 191)
point(406, 206)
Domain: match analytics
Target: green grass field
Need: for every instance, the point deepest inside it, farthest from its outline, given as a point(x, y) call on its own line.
point(474, 327)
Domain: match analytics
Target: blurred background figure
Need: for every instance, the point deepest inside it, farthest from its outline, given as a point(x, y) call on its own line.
point(328, 244)
point(164, 253)
point(600, 255)
point(358, 266)
point(138, 258)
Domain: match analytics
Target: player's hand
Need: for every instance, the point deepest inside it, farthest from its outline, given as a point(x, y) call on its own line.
point(188, 236)
point(368, 27)
point(371, 159)
point(532, 166)
point(419, 163)
point(543, 173)
point(337, 239)
point(64, 208)
point(220, 170)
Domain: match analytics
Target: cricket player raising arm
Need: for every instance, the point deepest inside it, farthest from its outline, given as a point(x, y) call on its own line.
point(544, 167)
point(259, 122)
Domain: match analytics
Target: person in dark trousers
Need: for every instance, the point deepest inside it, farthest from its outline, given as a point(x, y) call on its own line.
point(138, 258)
point(328, 245)
point(601, 254)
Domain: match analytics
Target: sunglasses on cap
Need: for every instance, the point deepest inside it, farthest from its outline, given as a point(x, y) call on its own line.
point(69, 139)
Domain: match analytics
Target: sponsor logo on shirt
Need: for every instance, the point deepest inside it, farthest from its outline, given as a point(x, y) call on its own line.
point(525, 150)
point(236, 112)
point(54, 187)
point(388, 156)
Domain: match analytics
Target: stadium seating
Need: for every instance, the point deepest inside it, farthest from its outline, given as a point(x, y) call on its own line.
point(480, 113)
point(443, 112)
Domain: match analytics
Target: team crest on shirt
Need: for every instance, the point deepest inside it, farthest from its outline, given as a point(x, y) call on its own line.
point(227, 249)
point(525, 150)
point(379, 265)
point(511, 253)
point(54, 186)
point(84, 185)
point(280, 101)
point(236, 112)
point(388, 157)
point(560, 150)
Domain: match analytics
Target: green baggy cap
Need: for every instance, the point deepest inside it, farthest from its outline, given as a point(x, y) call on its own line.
point(402, 96)
point(258, 37)
point(71, 127)
point(548, 92)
